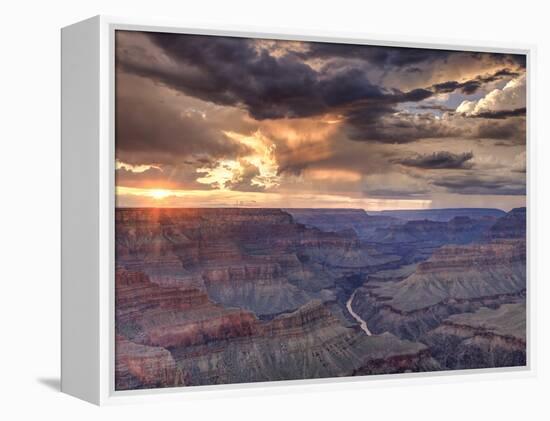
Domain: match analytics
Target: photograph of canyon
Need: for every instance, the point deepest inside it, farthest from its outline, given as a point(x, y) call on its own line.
point(300, 210)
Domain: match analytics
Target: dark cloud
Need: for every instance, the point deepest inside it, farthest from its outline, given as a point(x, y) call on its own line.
point(383, 57)
point(383, 125)
point(235, 72)
point(505, 73)
point(511, 129)
point(468, 87)
point(471, 86)
point(475, 185)
point(439, 160)
point(151, 129)
point(518, 60)
point(348, 86)
point(232, 71)
point(387, 126)
point(415, 95)
point(500, 115)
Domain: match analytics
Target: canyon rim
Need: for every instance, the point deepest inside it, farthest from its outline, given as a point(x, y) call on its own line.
point(297, 210)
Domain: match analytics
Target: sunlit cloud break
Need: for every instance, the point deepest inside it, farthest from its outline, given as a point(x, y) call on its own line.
point(257, 169)
point(134, 168)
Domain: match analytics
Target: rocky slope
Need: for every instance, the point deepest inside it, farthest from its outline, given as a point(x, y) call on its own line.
point(171, 336)
point(485, 338)
point(308, 343)
point(149, 314)
point(512, 225)
point(144, 367)
point(455, 279)
point(461, 273)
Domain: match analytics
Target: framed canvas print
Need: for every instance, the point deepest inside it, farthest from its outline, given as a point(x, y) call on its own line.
point(244, 208)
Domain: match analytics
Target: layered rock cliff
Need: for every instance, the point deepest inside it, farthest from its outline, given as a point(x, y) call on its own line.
point(512, 225)
point(211, 296)
point(169, 336)
point(341, 220)
point(144, 367)
point(150, 314)
point(485, 338)
point(260, 260)
point(207, 296)
point(455, 279)
point(307, 343)
point(459, 230)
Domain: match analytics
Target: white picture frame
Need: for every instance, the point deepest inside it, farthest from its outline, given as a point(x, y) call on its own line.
point(88, 194)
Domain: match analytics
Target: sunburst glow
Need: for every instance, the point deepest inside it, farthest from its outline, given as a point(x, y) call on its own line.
point(159, 193)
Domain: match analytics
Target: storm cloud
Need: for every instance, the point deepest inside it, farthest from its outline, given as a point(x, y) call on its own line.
point(232, 114)
point(233, 71)
point(471, 86)
point(439, 160)
point(488, 185)
point(501, 114)
point(151, 128)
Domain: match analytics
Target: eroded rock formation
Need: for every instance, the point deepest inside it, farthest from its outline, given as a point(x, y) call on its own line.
point(211, 296)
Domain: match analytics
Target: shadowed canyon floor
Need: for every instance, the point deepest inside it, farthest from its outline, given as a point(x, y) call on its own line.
point(215, 296)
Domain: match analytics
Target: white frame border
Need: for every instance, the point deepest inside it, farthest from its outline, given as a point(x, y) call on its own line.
point(108, 395)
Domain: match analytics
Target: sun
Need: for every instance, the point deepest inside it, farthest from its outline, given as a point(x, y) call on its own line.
point(159, 194)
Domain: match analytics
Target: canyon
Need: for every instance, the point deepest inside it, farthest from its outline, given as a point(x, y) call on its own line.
point(231, 295)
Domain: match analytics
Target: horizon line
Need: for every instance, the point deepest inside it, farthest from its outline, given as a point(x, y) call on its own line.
point(313, 208)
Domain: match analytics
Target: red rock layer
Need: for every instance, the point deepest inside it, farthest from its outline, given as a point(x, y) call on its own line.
point(498, 252)
point(140, 366)
point(166, 316)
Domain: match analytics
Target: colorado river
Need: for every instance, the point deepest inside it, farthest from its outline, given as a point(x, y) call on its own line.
point(361, 322)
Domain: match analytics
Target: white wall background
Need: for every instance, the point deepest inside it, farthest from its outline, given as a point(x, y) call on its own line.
point(29, 235)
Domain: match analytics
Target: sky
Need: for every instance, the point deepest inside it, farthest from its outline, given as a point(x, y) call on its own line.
point(206, 121)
